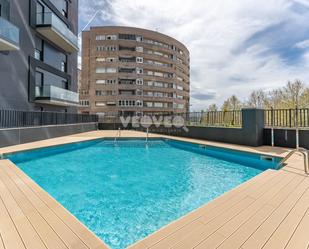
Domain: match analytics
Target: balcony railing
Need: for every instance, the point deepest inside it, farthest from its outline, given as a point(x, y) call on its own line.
point(9, 36)
point(56, 95)
point(52, 27)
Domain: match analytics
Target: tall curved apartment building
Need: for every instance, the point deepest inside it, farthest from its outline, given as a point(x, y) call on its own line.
point(133, 71)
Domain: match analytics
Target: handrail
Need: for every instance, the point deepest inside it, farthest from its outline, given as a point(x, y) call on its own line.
point(117, 135)
point(147, 135)
point(304, 152)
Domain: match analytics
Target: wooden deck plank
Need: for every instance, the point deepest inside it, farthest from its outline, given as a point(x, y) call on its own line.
point(300, 238)
point(281, 189)
point(27, 233)
point(90, 239)
point(213, 225)
point(9, 234)
point(285, 231)
point(264, 232)
point(50, 238)
point(193, 238)
point(60, 228)
point(231, 197)
point(1, 242)
point(249, 227)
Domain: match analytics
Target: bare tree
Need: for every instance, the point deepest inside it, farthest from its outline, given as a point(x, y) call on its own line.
point(212, 108)
point(232, 103)
point(293, 92)
point(257, 99)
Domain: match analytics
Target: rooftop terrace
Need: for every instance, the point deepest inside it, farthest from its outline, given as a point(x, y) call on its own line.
point(269, 211)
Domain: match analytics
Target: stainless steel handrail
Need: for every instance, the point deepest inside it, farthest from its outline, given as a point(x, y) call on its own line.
point(305, 154)
point(117, 135)
point(147, 135)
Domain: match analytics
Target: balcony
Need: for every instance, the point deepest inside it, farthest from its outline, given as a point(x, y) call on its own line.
point(9, 36)
point(56, 96)
point(55, 30)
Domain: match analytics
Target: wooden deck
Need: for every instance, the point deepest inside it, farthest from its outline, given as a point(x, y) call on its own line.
point(269, 211)
point(32, 219)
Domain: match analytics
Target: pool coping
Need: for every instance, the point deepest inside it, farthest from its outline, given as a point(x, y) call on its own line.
point(90, 136)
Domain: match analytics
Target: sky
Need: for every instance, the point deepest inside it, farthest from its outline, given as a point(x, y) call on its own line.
point(236, 46)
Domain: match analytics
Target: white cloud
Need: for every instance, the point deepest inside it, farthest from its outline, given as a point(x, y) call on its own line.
point(216, 33)
point(303, 44)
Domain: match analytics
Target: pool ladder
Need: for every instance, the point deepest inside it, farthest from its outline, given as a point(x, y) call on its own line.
point(118, 135)
point(147, 135)
point(305, 154)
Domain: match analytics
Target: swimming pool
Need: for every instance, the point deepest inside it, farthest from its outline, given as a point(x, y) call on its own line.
point(126, 190)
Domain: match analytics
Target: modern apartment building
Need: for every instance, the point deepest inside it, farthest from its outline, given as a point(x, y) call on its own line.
point(38, 55)
point(133, 71)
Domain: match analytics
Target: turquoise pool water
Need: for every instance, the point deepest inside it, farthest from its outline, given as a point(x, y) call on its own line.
point(126, 191)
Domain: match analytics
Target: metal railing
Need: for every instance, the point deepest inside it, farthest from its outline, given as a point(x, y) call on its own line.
point(287, 118)
point(15, 119)
point(214, 118)
point(210, 119)
point(304, 153)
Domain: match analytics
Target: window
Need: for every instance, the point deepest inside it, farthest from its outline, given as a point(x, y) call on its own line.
point(100, 48)
point(106, 70)
point(100, 37)
point(139, 49)
point(158, 94)
point(64, 10)
point(84, 102)
point(158, 104)
point(111, 59)
point(139, 103)
point(139, 60)
point(63, 66)
point(111, 37)
point(107, 82)
point(100, 70)
point(127, 37)
point(100, 59)
point(158, 74)
point(126, 103)
point(149, 104)
point(139, 71)
point(110, 93)
point(139, 82)
point(38, 54)
point(180, 88)
point(100, 103)
point(100, 82)
point(139, 38)
point(40, 13)
point(111, 70)
point(158, 84)
point(39, 79)
point(83, 92)
point(99, 93)
point(111, 48)
point(139, 92)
